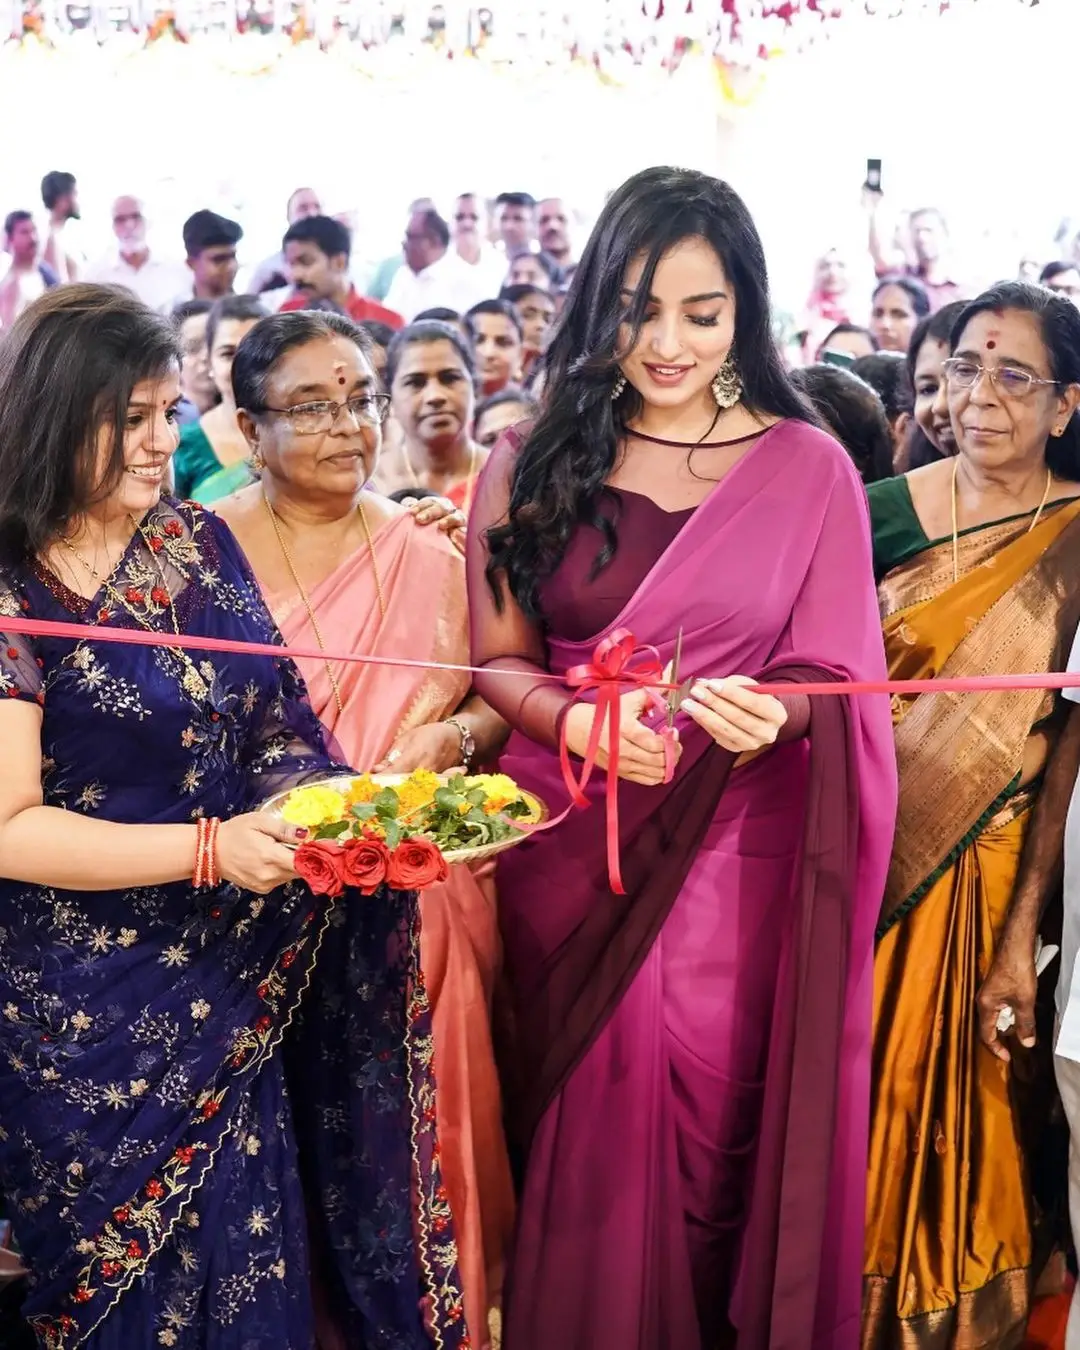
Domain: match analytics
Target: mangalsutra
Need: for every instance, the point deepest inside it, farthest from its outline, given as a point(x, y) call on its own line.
point(956, 531)
point(304, 595)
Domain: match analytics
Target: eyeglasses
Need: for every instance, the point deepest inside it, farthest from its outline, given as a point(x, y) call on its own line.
point(313, 419)
point(1007, 380)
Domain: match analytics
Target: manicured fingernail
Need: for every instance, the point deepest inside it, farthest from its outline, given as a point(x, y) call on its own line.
point(688, 705)
point(699, 691)
point(301, 832)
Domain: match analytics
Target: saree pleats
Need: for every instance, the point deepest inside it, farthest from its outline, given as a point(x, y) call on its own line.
point(948, 1245)
point(947, 1224)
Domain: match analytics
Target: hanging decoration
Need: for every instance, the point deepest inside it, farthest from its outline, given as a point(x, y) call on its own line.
point(621, 41)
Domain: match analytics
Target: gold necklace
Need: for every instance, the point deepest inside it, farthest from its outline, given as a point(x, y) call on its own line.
point(304, 595)
point(194, 682)
point(470, 477)
point(956, 531)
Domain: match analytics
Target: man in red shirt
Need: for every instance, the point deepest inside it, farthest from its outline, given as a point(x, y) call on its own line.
point(316, 254)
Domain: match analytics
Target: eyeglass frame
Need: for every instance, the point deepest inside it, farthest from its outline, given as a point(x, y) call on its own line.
point(381, 401)
point(991, 374)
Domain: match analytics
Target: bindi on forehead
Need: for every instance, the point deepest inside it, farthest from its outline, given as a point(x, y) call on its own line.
point(991, 343)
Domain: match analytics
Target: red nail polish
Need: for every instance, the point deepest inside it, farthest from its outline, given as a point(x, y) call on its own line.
point(301, 832)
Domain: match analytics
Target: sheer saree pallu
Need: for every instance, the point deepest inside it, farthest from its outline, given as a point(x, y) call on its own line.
point(948, 1236)
point(423, 585)
point(692, 1058)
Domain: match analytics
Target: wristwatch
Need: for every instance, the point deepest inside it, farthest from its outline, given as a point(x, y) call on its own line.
point(468, 742)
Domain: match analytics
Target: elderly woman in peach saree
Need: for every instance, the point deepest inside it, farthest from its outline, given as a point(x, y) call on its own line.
point(344, 569)
point(978, 558)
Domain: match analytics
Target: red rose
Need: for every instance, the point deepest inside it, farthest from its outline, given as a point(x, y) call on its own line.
point(364, 864)
point(319, 864)
point(414, 864)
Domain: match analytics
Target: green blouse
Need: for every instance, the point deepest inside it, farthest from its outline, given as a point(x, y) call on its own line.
point(199, 475)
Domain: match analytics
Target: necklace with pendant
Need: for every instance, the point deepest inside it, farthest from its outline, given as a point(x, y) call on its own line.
point(193, 682)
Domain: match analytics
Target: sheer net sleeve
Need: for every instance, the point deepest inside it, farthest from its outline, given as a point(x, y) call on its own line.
point(505, 639)
point(20, 669)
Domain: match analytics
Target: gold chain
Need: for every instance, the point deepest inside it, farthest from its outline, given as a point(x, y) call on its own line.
point(194, 683)
point(956, 531)
point(470, 479)
point(304, 595)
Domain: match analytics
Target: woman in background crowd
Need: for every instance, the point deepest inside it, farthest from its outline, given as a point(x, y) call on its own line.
point(345, 569)
point(496, 334)
point(196, 386)
point(849, 339)
point(211, 461)
point(978, 556)
point(535, 269)
point(931, 437)
point(853, 412)
point(683, 1066)
point(887, 374)
point(431, 377)
point(499, 413)
point(897, 305)
point(535, 310)
point(828, 304)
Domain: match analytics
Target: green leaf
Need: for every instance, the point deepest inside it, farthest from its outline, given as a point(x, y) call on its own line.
point(477, 796)
point(386, 803)
point(446, 799)
point(329, 831)
point(457, 783)
point(363, 810)
point(517, 809)
point(393, 834)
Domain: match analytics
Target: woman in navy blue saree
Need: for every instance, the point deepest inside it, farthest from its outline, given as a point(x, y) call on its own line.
point(147, 1144)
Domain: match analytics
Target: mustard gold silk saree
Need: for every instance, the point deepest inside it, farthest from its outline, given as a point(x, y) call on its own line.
point(948, 1242)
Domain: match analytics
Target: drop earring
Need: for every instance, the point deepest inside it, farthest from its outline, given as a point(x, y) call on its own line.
point(727, 387)
point(618, 387)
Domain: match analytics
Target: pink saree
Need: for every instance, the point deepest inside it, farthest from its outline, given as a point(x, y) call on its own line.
point(692, 1060)
point(424, 587)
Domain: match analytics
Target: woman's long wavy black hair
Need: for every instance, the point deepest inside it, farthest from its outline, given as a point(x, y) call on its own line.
point(560, 473)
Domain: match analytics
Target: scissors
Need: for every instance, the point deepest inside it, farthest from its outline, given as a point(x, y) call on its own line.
point(677, 695)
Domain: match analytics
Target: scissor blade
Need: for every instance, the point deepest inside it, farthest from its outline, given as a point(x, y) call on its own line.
point(676, 696)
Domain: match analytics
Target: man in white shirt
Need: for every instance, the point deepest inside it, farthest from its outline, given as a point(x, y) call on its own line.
point(433, 277)
point(27, 277)
point(131, 265)
point(471, 246)
point(1007, 999)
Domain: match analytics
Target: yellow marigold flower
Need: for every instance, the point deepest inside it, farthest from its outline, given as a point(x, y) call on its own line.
point(499, 789)
point(314, 806)
point(417, 790)
point(362, 789)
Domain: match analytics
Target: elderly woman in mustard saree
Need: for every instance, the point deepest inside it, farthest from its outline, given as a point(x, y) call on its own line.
point(978, 558)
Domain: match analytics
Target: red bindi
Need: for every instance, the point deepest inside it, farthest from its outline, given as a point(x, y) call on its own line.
point(991, 345)
point(341, 379)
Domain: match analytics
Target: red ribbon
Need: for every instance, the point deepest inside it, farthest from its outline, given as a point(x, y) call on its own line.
point(618, 666)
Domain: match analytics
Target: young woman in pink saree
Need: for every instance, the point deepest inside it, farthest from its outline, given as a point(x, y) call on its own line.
point(345, 569)
point(692, 1059)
